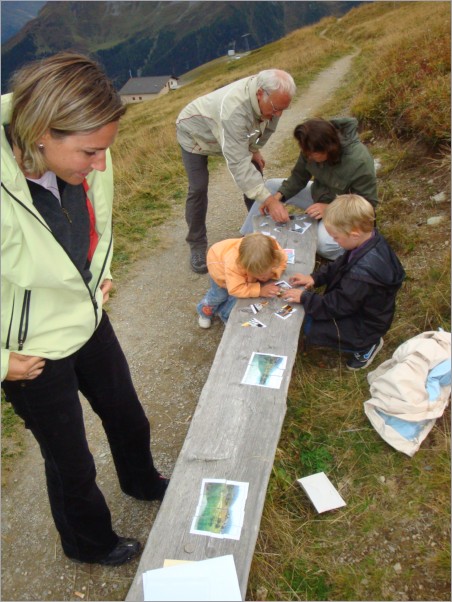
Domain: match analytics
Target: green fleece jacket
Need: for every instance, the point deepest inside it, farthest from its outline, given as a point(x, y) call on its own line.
point(47, 308)
point(354, 174)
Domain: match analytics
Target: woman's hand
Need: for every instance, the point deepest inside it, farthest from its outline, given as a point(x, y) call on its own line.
point(24, 367)
point(316, 210)
point(106, 287)
point(277, 210)
point(302, 280)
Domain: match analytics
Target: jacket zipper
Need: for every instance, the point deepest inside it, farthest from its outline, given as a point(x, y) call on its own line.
point(103, 265)
point(8, 337)
point(23, 326)
point(66, 214)
point(91, 296)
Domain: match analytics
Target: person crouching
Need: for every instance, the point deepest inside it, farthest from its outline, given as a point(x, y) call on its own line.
point(240, 268)
point(357, 307)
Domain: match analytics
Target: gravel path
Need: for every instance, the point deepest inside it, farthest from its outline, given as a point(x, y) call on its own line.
point(170, 357)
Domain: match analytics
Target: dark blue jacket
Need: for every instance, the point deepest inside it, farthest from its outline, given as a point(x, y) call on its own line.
point(358, 304)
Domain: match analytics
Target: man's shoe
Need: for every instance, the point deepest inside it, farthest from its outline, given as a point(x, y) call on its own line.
point(198, 262)
point(362, 360)
point(125, 550)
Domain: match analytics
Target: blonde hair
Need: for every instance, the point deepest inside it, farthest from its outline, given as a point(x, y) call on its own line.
point(64, 94)
point(350, 211)
point(258, 253)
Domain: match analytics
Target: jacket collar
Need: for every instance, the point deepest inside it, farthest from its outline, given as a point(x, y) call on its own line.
point(12, 176)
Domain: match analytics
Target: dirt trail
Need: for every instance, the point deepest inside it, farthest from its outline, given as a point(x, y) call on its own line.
point(154, 316)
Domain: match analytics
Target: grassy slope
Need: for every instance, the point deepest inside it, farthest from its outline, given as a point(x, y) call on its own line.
point(397, 508)
point(393, 540)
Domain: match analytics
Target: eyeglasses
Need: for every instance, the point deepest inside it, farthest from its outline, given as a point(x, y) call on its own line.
point(274, 109)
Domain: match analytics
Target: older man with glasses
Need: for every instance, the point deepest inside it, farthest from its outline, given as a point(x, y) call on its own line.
point(235, 121)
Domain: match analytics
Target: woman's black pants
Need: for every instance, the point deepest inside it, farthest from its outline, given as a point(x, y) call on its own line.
point(51, 409)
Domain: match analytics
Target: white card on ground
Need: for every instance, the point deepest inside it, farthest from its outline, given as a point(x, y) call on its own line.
point(214, 579)
point(321, 492)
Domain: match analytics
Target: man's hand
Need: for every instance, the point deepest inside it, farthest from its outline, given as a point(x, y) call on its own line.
point(259, 159)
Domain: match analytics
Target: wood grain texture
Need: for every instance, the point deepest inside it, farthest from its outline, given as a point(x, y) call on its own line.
point(235, 429)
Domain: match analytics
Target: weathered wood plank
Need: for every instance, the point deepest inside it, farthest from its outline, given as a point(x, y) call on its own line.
point(235, 429)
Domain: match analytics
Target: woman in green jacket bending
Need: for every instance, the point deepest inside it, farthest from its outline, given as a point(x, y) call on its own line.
point(333, 161)
point(57, 193)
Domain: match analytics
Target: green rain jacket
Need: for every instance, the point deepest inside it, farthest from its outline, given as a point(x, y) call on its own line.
point(47, 309)
point(354, 174)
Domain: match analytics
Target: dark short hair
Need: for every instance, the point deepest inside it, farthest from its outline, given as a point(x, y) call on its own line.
point(318, 135)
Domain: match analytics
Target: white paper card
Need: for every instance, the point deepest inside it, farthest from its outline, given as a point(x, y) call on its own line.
point(321, 492)
point(214, 579)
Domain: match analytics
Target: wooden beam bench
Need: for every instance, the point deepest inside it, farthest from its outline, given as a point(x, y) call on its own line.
point(235, 429)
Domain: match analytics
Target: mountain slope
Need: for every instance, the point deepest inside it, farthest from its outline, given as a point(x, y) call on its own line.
point(158, 38)
point(16, 14)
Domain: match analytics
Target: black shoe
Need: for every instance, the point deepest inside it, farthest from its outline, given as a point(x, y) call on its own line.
point(362, 360)
point(198, 261)
point(160, 489)
point(125, 550)
point(153, 490)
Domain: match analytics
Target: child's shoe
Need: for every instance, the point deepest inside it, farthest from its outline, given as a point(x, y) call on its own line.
point(362, 360)
point(204, 322)
point(206, 315)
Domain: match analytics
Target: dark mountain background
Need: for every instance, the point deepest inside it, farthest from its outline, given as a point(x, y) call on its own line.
point(15, 14)
point(157, 38)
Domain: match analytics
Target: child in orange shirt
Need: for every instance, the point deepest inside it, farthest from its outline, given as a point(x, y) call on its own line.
point(240, 267)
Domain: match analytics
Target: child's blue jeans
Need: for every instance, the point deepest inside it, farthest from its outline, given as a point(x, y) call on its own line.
point(217, 301)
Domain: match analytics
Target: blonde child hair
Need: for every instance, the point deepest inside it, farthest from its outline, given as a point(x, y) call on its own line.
point(348, 212)
point(258, 253)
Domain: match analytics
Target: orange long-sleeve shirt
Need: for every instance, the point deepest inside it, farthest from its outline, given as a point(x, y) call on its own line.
point(224, 270)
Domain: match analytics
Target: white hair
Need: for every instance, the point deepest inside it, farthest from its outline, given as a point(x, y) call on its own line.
point(276, 80)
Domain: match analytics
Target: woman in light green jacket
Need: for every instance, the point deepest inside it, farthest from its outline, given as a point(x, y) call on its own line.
point(57, 192)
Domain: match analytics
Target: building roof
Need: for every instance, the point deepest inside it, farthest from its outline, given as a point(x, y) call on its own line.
point(145, 85)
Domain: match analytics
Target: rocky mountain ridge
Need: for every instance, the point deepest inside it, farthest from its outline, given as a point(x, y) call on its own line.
point(158, 38)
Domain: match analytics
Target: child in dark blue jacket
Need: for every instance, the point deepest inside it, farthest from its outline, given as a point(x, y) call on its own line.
point(357, 307)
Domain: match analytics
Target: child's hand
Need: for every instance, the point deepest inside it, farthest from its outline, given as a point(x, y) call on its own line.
point(292, 295)
point(269, 290)
point(302, 280)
